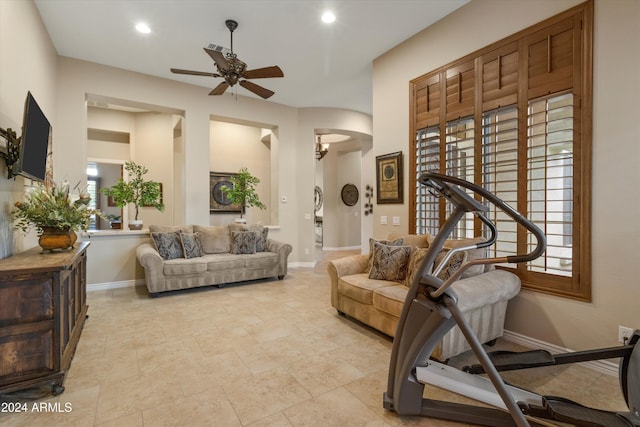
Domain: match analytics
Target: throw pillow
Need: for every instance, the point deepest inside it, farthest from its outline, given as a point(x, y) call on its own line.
point(452, 265)
point(191, 245)
point(243, 242)
point(417, 254)
point(215, 239)
point(389, 262)
point(261, 236)
point(372, 241)
point(471, 254)
point(167, 244)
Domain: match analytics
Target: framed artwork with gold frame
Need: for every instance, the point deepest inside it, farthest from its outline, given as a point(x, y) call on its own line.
point(389, 178)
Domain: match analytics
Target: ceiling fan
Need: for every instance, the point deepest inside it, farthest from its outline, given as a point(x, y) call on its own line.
point(234, 70)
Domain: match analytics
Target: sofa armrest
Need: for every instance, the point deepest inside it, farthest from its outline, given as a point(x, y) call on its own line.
point(337, 268)
point(283, 250)
point(486, 289)
point(153, 264)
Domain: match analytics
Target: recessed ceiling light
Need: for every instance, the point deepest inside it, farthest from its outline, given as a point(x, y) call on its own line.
point(143, 28)
point(328, 17)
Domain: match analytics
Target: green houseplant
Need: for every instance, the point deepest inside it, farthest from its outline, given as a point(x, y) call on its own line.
point(137, 191)
point(242, 191)
point(54, 211)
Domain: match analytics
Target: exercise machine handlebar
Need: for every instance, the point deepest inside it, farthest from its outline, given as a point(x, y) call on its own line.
point(446, 186)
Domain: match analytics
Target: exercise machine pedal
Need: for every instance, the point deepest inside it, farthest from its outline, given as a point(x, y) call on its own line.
point(567, 411)
point(512, 360)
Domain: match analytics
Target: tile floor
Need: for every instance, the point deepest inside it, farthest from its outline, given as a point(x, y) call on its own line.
point(268, 353)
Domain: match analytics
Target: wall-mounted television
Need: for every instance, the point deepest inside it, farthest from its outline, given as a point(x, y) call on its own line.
point(34, 143)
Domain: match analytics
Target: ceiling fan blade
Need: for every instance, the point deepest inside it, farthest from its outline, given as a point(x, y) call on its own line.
point(194, 73)
point(257, 89)
point(263, 73)
point(219, 90)
point(219, 59)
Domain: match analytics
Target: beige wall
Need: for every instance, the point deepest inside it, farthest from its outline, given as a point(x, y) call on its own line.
point(28, 62)
point(234, 146)
point(615, 231)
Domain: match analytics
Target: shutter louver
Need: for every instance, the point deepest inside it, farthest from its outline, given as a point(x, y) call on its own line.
point(427, 102)
point(550, 60)
point(427, 159)
point(500, 78)
point(461, 91)
point(500, 172)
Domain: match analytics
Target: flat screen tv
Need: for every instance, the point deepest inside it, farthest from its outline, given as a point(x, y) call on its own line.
point(34, 143)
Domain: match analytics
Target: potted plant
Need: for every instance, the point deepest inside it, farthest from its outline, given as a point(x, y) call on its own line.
point(243, 192)
point(55, 213)
point(137, 191)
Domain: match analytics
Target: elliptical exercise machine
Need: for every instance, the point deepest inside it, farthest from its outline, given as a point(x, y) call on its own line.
point(430, 310)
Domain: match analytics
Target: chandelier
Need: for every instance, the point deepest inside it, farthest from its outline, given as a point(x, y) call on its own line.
point(321, 149)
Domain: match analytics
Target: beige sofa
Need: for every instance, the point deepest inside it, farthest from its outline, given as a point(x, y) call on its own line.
point(216, 263)
point(483, 296)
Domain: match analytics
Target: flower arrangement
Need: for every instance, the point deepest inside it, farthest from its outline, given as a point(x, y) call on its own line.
point(55, 207)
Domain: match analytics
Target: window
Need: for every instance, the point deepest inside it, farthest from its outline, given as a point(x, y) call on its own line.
point(515, 117)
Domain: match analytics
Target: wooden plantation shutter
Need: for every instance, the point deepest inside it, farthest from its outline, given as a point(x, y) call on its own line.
point(515, 117)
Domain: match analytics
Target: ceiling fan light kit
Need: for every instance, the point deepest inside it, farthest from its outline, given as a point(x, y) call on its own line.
point(233, 70)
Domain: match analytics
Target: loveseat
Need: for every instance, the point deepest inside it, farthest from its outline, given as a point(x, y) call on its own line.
point(483, 292)
point(181, 257)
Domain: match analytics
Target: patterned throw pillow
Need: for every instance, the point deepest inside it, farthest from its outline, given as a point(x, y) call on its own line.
point(168, 245)
point(243, 242)
point(372, 241)
point(191, 245)
point(452, 265)
point(389, 262)
point(261, 236)
point(417, 254)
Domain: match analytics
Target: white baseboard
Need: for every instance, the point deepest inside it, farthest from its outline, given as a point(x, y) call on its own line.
point(114, 285)
point(343, 248)
point(603, 366)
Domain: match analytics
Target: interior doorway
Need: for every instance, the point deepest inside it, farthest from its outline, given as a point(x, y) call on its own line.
point(337, 194)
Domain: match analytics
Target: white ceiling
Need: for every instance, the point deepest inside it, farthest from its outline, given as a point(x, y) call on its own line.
point(324, 65)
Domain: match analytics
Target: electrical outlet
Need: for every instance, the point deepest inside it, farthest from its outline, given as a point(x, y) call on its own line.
point(624, 334)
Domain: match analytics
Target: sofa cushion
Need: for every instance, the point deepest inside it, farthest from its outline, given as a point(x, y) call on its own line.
point(182, 266)
point(360, 288)
point(169, 228)
point(191, 245)
point(215, 239)
point(243, 242)
point(217, 262)
point(167, 244)
point(390, 299)
point(261, 260)
point(372, 241)
point(389, 262)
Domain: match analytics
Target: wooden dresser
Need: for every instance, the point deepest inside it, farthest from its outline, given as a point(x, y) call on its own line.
point(43, 306)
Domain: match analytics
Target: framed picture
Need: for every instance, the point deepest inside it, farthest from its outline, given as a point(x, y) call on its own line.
point(218, 202)
point(389, 178)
